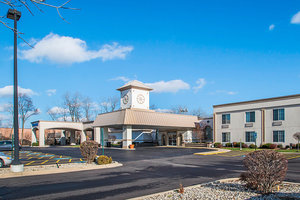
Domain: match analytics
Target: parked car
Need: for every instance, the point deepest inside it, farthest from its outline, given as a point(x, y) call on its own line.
point(5, 160)
point(6, 145)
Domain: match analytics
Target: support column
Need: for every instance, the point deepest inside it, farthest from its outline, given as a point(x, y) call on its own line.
point(63, 137)
point(33, 135)
point(72, 137)
point(188, 136)
point(97, 134)
point(178, 138)
point(105, 134)
point(82, 136)
point(41, 137)
point(127, 136)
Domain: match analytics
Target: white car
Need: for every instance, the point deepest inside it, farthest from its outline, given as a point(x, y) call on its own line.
point(5, 160)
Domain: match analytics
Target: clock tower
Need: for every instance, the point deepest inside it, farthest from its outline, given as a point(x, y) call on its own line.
point(135, 94)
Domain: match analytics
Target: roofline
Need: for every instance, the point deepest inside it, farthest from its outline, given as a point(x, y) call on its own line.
point(136, 87)
point(53, 121)
point(260, 100)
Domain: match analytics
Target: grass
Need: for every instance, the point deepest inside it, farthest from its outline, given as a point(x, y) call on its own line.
point(249, 150)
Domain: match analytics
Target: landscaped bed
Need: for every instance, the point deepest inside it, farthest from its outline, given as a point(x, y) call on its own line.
point(228, 189)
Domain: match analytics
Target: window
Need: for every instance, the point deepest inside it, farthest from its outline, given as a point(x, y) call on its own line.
point(250, 116)
point(278, 114)
point(226, 119)
point(225, 137)
point(250, 136)
point(278, 136)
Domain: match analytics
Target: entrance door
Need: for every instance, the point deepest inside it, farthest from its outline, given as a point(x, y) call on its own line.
point(172, 139)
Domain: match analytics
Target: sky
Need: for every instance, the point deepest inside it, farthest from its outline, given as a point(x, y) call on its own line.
point(193, 53)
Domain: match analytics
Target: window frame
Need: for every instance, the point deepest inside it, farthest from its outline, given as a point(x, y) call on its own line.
point(226, 120)
point(251, 120)
point(227, 137)
point(280, 138)
point(251, 137)
point(279, 116)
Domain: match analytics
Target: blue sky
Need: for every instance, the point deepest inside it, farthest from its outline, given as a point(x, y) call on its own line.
point(217, 51)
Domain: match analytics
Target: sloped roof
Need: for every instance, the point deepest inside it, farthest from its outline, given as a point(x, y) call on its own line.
point(134, 84)
point(147, 118)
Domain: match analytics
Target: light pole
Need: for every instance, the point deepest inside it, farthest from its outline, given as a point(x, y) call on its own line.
point(16, 165)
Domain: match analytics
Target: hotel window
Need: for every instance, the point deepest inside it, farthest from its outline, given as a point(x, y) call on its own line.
point(278, 114)
point(226, 119)
point(226, 137)
point(278, 136)
point(250, 116)
point(250, 136)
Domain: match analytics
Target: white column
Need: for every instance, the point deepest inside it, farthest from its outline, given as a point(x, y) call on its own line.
point(188, 136)
point(97, 134)
point(127, 136)
point(82, 136)
point(41, 137)
point(33, 135)
point(63, 137)
point(105, 134)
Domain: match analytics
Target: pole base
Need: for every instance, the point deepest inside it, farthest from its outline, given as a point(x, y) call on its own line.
point(17, 168)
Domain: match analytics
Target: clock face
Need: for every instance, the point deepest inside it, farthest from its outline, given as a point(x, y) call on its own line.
point(140, 99)
point(125, 99)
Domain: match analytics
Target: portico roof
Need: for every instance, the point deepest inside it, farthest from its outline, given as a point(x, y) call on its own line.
point(140, 118)
point(135, 84)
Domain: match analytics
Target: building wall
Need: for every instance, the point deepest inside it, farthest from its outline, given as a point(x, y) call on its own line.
point(263, 126)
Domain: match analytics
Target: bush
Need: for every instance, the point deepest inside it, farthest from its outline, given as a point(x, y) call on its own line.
point(217, 145)
point(104, 160)
point(273, 146)
point(234, 144)
point(265, 170)
point(244, 145)
point(252, 146)
point(266, 146)
point(287, 146)
point(89, 150)
point(35, 144)
point(228, 144)
point(280, 146)
point(237, 144)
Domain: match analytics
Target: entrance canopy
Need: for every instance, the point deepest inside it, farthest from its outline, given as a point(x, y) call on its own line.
point(145, 119)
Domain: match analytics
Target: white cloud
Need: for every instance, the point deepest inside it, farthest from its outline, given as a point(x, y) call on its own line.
point(68, 50)
point(4, 107)
point(271, 27)
point(224, 92)
point(4, 117)
point(51, 92)
point(122, 78)
point(200, 84)
point(169, 86)
point(296, 18)
point(8, 91)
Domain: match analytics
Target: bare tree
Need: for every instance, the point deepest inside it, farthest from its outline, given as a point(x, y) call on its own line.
point(110, 104)
point(26, 110)
point(28, 4)
point(73, 104)
point(297, 137)
point(180, 109)
point(198, 112)
point(153, 107)
point(87, 107)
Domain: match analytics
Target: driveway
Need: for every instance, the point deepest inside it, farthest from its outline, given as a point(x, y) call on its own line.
point(145, 171)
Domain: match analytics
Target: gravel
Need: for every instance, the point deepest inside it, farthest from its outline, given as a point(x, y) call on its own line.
point(233, 189)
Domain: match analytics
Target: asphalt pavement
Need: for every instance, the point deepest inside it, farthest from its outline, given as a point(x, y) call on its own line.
point(147, 170)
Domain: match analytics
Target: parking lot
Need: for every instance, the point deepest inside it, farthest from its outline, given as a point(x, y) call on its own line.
point(32, 158)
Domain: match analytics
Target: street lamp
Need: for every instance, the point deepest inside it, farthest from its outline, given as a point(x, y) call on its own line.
point(16, 165)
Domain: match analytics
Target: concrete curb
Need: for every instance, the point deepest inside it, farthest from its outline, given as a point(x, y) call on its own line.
point(44, 171)
point(194, 186)
point(213, 152)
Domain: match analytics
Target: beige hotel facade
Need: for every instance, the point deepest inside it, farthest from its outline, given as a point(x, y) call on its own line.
point(273, 120)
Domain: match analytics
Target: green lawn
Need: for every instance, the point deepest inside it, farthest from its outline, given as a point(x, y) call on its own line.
point(248, 149)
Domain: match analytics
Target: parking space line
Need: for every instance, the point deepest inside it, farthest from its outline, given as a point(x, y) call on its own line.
point(80, 159)
point(44, 162)
point(293, 157)
point(30, 163)
point(52, 157)
point(70, 160)
point(29, 158)
point(57, 161)
point(60, 156)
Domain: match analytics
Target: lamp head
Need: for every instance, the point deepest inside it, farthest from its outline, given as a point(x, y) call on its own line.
point(12, 12)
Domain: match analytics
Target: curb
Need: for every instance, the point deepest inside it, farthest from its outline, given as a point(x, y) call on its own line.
point(194, 186)
point(214, 152)
point(44, 171)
